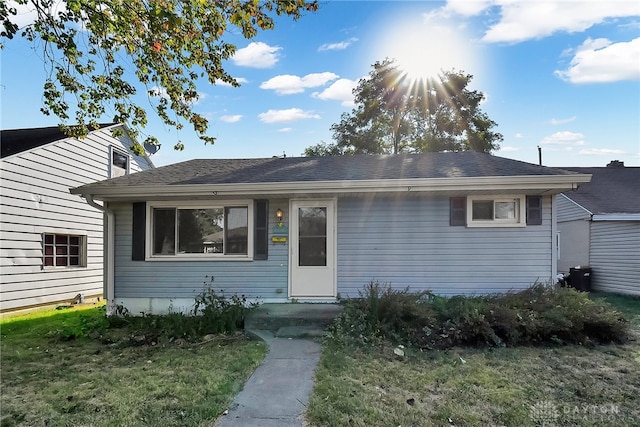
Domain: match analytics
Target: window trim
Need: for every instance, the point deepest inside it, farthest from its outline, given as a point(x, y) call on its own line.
point(82, 255)
point(203, 204)
point(520, 220)
point(113, 150)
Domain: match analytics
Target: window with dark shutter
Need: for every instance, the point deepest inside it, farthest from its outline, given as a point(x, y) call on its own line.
point(534, 210)
point(261, 236)
point(458, 211)
point(138, 234)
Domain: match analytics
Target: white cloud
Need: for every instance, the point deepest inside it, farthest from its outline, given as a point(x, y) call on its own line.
point(288, 84)
point(26, 13)
point(519, 135)
point(240, 80)
point(337, 46)
point(289, 115)
point(231, 118)
point(600, 151)
point(564, 138)
point(257, 55)
point(600, 60)
point(508, 149)
point(556, 122)
point(466, 7)
point(340, 90)
point(284, 130)
point(524, 20)
point(160, 92)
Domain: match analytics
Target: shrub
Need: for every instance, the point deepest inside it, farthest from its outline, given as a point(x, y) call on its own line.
point(213, 313)
point(541, 314)
point(382, 312)
point(218, 313)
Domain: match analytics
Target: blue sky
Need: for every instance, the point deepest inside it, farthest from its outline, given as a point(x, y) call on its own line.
point(562, 75)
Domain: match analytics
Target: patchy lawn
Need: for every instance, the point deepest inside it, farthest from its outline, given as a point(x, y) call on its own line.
point(526, 386)
point(51, 378)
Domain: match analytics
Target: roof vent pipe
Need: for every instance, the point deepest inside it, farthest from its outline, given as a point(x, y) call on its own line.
point(539, 155)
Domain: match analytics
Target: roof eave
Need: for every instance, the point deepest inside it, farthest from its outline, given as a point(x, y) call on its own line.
point(546, 184)
point(616, 217)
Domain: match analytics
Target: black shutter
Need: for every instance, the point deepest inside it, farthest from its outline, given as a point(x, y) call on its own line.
point(458, 211)
point(534, 210)
point(261, 235)
point(138, 234)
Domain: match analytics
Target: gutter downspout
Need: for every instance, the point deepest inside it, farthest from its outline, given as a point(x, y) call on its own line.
point(109, 265)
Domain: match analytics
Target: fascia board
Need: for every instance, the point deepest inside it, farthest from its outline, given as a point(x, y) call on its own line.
point(616, 217)
point(547, 184)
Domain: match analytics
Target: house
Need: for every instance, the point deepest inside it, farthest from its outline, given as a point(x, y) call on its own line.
point(599, 227)
point(51, 241)
point(316, 228)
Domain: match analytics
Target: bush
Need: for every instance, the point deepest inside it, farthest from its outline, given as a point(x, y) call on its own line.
point(542, 314)
point(217, 313)
point(213, 313)
point(382, 312)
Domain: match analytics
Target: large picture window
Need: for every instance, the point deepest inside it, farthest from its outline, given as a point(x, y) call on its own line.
point(63, 250)
point(490, 211)
point(200, 231)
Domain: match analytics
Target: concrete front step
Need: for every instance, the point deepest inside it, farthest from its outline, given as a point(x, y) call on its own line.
point(299, 332)
point(293, 320)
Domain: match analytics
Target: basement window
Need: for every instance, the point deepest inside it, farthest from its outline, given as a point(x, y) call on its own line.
point(63, 250)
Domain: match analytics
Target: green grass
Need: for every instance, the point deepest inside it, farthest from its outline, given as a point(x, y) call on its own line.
point(568, 385)
point(627, 305)
point(104, 378)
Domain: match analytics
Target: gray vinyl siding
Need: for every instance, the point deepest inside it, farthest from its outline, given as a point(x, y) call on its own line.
point(615, 256)
point(574, 231)
point(569, 210)
point(185, 279)
point(406, 241)
point(409, 242)
point(35, 199)
point(574, 244)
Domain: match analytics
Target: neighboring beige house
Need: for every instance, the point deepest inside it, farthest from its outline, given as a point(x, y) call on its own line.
point(599, 227)
point(51, 242)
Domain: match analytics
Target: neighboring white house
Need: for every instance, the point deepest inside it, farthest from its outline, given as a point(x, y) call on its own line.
point(320, 228)
point(599, 227)
point(51, 242)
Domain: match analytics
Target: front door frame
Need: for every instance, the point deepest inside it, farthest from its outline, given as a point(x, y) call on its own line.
point(332, 243)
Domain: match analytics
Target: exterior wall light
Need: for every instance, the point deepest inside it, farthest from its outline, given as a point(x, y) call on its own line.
point(279, 215)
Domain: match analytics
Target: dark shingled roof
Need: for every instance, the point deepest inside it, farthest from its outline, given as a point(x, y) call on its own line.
point(336, 168)
point(14, 141)
point(612, 190)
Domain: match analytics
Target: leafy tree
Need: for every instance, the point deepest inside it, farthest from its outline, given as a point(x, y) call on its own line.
point(95, 51)
point(323, 149)
point(395, 115)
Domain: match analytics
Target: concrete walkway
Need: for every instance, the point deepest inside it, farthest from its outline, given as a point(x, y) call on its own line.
point(278, 391)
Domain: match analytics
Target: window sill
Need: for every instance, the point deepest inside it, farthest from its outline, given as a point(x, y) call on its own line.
point(187, 258)
point(494, 224)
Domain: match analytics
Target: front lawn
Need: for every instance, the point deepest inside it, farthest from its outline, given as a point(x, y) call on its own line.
point(73, 369)
point(568, 385)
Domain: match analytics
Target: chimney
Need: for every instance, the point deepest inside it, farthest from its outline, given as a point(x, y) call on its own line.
point(615, 164)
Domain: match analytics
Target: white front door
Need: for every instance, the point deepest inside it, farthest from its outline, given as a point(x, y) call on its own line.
point(313, 253)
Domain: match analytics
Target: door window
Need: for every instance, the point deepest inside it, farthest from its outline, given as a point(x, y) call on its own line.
point(312, 236)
